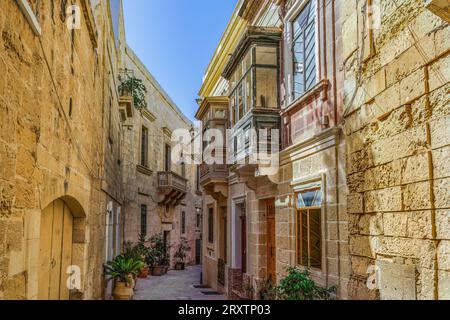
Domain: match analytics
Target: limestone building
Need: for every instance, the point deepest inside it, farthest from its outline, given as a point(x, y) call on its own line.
point(55, 178)
point(161, 194)
point(396, 61)
point(311, 213)
point(72, 183)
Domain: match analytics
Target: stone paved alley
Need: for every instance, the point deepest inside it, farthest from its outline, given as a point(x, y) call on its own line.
point(176, 285)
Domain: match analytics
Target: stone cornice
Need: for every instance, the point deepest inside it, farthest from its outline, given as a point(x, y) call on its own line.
point(206, 103)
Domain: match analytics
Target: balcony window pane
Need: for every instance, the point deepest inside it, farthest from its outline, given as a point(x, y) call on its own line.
point(266, 88)
point(240, 102)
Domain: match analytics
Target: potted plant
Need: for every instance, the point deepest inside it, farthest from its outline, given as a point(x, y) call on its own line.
point(122, 270)
point(130, 85)
point(137, 252)
point(142, 251)
point(156, 256)
point(180, 255)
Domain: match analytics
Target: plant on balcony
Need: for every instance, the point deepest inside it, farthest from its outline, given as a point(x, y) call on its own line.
point(123, 270)
point(156, 256)
point(181, 253)
point(298, 285)
point(130, 85)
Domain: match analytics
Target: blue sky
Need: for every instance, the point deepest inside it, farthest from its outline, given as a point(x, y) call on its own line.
point(176, 39)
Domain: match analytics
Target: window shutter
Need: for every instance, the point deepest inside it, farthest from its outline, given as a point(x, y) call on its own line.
point(304, 50)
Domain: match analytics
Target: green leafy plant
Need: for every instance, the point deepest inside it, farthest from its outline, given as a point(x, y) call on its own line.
point(181, 253)
point(298, 285)
point(123, 268)
point(157, 254)
point(135, 87)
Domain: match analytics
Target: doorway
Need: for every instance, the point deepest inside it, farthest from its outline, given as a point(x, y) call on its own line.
point(271, 242)
point(55, 252)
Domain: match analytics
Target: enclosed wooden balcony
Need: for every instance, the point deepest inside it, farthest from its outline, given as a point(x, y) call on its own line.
point(172, 188)
point(214, 180)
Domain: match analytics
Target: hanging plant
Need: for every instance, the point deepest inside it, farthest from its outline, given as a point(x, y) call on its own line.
point(130, 85)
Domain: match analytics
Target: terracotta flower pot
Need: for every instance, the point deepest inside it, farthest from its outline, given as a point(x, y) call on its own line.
point(123, 290)
point(158, 271)
point(144, 273)
point(180, 266)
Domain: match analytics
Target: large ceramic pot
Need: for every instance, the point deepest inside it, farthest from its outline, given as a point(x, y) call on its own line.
point(144, 273)
point(123, 290)
point(158, 271)
point(180, 266)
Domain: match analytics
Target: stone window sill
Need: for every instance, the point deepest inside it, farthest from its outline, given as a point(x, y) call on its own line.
point(144, 170)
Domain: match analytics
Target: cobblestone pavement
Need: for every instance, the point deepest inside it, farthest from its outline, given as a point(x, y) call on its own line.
point(176, 285)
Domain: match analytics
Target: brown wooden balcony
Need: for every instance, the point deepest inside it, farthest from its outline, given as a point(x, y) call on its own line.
point(172, 188)
point(214, 179)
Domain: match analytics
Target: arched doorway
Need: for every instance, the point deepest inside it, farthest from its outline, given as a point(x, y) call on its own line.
point(55, 251)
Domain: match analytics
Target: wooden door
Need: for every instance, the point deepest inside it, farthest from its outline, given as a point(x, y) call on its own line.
point(55, 252)
point(271, 246)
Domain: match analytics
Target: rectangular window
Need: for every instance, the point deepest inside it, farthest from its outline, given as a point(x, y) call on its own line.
point(211, 225)
point(183, 222)
point(309, 229)
point(144, 147)
point(144, 220)
point(304, 50)
point(167, 158)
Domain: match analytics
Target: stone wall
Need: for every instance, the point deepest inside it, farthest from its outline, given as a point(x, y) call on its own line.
point(50, 144)
point(397, 128)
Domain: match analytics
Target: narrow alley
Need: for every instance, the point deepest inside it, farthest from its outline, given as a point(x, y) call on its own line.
point(176, 285)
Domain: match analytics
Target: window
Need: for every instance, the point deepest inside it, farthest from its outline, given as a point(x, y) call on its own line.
point(167, 158)
point(183, 166)
point(211, 225)
point(144, 220)
point(183, 222)
point(144, 147)
point(257, 70)
point(304, 50)
point(309, 228)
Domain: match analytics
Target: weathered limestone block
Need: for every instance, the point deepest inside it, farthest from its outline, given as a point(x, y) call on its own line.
point(424, 250)
point(440, 132)
point(384, 176)
point(444, 255)
point(443, 224)
point(384, 200)
point(408, 62)
point(444, 285)
point(396, 281)
point(371, 224)
point(439, 73)
point(420, 225)
point(441, 163)
point(442, 193)
point(355, 203)
point(7, 161)
point(402, 145)
point(417, 196)
point(363, 246)
point(395, 224)
point(415, 168)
